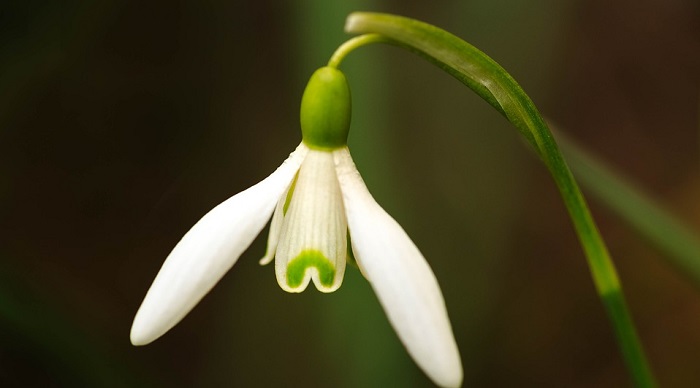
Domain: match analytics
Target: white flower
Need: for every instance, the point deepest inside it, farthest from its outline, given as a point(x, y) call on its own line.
point(318, 199)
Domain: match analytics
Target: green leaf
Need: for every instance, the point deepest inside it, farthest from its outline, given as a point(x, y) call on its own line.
point(679, 243)
point(490, 81)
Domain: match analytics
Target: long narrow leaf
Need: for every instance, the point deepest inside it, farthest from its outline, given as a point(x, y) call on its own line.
point(490, 81)
point(678, 241)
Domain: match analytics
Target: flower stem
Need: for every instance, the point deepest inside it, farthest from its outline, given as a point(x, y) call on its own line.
point(352, 44)
point(491, 82)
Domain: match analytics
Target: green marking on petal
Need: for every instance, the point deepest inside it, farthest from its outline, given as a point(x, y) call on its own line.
point(288, 200)
point(296, 269)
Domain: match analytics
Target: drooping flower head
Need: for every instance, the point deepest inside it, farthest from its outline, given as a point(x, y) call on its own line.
point(316, 199)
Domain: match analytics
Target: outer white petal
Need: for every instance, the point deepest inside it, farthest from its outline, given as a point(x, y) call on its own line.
point(401, 278)
point(313, 241)
point(207, 252)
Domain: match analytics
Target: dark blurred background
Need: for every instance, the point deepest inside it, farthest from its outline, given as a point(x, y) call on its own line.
point(123, 122)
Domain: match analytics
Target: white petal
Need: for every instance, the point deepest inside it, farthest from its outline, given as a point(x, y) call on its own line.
point(207, 252)
point(313, 241)
point(401, 278)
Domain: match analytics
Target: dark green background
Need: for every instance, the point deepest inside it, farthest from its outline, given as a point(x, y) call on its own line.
point(122, 123)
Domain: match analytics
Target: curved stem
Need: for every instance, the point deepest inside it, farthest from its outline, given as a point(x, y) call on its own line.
point(352, 44)
point(490, 81)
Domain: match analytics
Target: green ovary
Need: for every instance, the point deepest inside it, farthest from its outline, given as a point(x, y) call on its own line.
point(296, 269)
point(326, 110)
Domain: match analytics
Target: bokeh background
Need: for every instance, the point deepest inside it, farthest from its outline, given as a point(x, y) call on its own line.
point(123, 122)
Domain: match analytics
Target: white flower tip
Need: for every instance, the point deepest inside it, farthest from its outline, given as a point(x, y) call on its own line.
point(266, 260)
point(441, 361)
point(451, 377)
point(149, 325)
point(140, 336)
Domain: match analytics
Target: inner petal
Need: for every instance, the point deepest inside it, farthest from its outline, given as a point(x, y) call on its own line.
point(313, 239)
point(275, 229)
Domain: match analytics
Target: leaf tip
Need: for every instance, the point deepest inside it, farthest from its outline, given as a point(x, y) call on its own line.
point(352, 21)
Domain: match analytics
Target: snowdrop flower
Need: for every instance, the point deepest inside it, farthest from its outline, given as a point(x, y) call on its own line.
point(318, 198)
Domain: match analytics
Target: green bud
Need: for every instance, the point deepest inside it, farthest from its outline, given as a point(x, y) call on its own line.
point(325, 110)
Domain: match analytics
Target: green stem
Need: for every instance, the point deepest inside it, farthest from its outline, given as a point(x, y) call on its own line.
point(352, 44)
point(490, 81)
